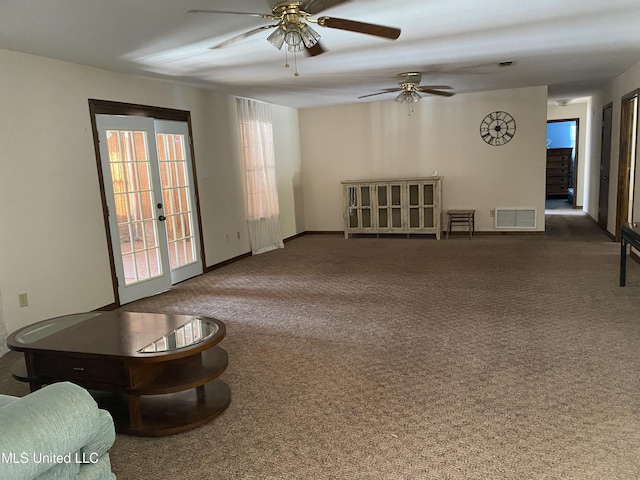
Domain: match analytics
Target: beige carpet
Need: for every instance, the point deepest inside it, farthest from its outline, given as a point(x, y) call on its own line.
point(500, 357)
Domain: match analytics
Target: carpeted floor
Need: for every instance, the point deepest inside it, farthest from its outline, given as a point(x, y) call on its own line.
point(500, 357)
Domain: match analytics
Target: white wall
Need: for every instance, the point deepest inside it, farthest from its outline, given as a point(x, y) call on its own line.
point(286, 136)
point(592, 162)
point(380, 140)
point(621, 85)
point(52, 237)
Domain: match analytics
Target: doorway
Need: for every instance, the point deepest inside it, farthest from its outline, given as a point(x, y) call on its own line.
point(150, 199)
point(562, 142)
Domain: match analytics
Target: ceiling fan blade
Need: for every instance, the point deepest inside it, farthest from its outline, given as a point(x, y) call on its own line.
point(261, 15)
point(387, 90)
point(360, 27)
point(316, 6)
point(431, 91)
point(437, 87)
point(315, 50)
point(242, 36)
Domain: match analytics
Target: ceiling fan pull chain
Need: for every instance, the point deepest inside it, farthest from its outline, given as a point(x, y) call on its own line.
point(295, 64)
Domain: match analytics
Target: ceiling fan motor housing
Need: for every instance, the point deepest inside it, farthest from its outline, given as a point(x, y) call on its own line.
point(409, 78)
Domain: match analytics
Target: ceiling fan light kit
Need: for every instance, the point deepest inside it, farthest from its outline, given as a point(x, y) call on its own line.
point(408, 97)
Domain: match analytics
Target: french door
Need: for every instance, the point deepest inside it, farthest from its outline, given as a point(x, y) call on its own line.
point(153, 223)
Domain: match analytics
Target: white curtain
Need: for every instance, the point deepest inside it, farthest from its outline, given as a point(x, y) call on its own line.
point(3, 333)
point(259, 167)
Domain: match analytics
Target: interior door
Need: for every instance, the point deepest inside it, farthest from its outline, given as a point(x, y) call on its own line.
point(149, 192)
point(179, 199)
point(134, 199)
point(605, 162)
point(627, 160)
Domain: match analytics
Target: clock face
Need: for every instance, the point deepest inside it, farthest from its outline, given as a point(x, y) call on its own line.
point(497, 128)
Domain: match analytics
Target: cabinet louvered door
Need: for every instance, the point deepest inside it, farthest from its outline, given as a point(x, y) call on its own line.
point(422, 205)
point(388, 207)
point(359, 209)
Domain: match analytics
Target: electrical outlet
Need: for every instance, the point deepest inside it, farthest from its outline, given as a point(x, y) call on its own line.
point(23, 300)
point(238, 235)
point(227, 237)
point(492, 212)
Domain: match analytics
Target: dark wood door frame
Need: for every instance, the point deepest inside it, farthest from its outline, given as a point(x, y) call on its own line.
point(624, 160)
point(106, 107)
point(605, 166)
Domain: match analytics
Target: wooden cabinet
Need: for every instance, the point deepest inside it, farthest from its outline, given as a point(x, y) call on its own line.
point(559, 171)
point(405, 206)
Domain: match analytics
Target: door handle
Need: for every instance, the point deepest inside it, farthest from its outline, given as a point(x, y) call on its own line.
point(162, 218)
point(605, 178)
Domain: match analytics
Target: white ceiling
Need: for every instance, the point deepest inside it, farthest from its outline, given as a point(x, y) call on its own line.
point(571, 45)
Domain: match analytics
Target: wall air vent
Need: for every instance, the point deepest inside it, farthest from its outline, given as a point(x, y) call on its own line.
point(515, 218)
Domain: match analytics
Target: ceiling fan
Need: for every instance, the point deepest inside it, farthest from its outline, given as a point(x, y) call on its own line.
point(410, 89)
point(292, 25)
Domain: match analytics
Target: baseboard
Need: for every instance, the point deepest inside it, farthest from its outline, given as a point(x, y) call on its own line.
point(216, 266)
point(111, 306)
point(497, 232)
point(324, 232)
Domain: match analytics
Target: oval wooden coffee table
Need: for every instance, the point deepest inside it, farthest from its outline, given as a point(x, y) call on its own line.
point(156, 374)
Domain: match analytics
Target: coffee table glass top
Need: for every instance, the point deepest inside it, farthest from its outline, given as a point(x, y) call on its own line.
point(54, 325)
point(191, 333)
point(120, 334)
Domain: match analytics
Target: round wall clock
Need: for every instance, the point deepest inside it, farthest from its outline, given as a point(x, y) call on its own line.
point(497, 128)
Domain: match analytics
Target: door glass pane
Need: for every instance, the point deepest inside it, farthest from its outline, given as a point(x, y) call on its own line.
point(134, 201)
point(382, 218)
point(428, 218)
point(428, 195)
point(352, 196)
point(382, 195)
point(178, 209)
point(366, 197)
point(366, 218)
point(396, 218)
point(414, 217)
point(414, 198)
point(353, 218)
point(395, 194)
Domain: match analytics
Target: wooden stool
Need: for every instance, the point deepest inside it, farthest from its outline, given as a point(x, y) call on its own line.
point(462, 217)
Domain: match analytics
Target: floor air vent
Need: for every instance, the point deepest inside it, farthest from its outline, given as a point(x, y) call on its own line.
point(515, 218)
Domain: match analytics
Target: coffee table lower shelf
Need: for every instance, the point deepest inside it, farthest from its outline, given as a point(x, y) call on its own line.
point(170, 413)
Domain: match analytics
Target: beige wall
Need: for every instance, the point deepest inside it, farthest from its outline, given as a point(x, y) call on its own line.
point(380, 140)
point(52, 237)
point(288, 170)
point(621, 85)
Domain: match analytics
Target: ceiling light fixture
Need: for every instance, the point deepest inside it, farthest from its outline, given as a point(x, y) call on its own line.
point(409, 83)
point(293, 32)
point(410, 98)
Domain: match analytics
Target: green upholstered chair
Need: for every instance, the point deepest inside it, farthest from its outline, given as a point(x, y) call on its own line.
point(57, 432)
